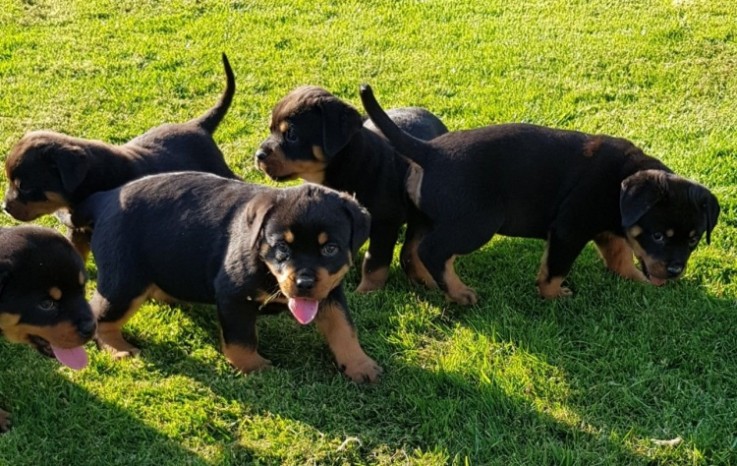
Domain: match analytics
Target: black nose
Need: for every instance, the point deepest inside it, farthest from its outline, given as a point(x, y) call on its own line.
point(261, 154)
point(674, 269)
point(87, 328)
point(305, 282)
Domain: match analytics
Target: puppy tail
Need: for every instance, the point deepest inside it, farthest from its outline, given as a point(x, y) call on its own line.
point(410, 147)
point(210, 120)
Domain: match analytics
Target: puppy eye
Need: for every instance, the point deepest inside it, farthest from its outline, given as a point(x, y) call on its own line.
point(47, 305)
point(329, 250)
point(23, 188)
point(693, 241)
point(658, 237)
point(290, 136)
point(282, 251)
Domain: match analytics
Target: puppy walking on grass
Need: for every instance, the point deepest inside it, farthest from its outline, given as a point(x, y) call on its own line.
point(49, 171)
point(563, 186)
point(246, 248)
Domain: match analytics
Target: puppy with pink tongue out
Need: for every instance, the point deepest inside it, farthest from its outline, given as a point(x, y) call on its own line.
point(42, 301)
point(248, 249)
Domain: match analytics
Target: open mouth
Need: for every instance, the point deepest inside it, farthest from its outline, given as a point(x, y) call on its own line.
point(74, 358)
point(654, 280)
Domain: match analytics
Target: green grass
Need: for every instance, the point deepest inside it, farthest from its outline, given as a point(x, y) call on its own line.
point(514, 380)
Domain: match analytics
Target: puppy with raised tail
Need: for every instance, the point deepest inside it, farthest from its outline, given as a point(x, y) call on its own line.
point(49, 171)
point(565, 187)
point(246, 248)
point(318, 137)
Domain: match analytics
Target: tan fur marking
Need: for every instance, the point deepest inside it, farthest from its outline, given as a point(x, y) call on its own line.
point(457, 290)
point(318, 153)
point(655, 268)
point(27, 211)
point(634, 231)
point(245, 359)
point(374, 280)
point(63, 334)
point(669, 233)
point(81, 278)
point(322, 238)
point(283, 126)
point(618, 256)
point(343, 342)
point(289, 236)
point(413, 266)
point(55, 293)
point(414, 183)
point(109, 335)
point(550, 287)
point(324, 282)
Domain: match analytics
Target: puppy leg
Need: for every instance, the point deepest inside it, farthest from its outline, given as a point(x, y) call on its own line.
point(441, 245)
point(556, 263)
point(4, 421)
point(409, 257)
point(376, 262)
point(239, 338)
point(112, 313)
point(618, 256)
point(334, 323)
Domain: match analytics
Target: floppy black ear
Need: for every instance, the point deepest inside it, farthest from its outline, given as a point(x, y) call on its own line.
point(639, 193)
point(360, 222)
point(73, 165)
point(256, 212)
point(340, 122)
point(708, 204)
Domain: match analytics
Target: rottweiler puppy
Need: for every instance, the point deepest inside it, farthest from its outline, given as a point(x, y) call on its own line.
point(42, 300)
point(201, 238)
point(563, 186)
point(48, 171)
point(319, 138)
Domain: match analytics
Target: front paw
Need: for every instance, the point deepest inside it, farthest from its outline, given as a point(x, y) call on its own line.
point(363, 370)
point(464, 296)
point(117, 347)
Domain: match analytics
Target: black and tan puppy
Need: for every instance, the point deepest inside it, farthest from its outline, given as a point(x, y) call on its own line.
point(319, 138)
point(48, 171)
point(42, 299)
point(562, 186)
point(202, 238)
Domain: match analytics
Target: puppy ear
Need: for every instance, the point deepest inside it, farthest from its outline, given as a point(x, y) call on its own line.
point(360, 222)
point(639, 193)
point(340, 122)
point(73, 165)
point(256, 212)
point(707, 203)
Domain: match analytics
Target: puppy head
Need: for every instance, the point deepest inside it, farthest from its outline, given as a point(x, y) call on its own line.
point(43, 170)
point(308, 238)
point(308, 127)
point(42, 300)
point(664, 217)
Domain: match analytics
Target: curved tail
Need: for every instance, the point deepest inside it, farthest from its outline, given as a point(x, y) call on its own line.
point(210, 120)
point(407, 145)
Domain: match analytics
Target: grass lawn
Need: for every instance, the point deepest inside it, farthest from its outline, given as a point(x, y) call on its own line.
point(599, 378)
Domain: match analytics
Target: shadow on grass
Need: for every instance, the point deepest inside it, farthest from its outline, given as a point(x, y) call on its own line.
point(48, 410)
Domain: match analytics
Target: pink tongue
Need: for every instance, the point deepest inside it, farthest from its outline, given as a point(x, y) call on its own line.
point(304, 310)
point(75, 358)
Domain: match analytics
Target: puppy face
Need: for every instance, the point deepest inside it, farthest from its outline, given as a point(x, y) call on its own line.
point(308, 239)
point(665, 217)
point(42, 300)
point(43, 169)
point(308, 127)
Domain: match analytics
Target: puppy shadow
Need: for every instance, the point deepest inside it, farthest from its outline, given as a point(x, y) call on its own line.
point(78, 426)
